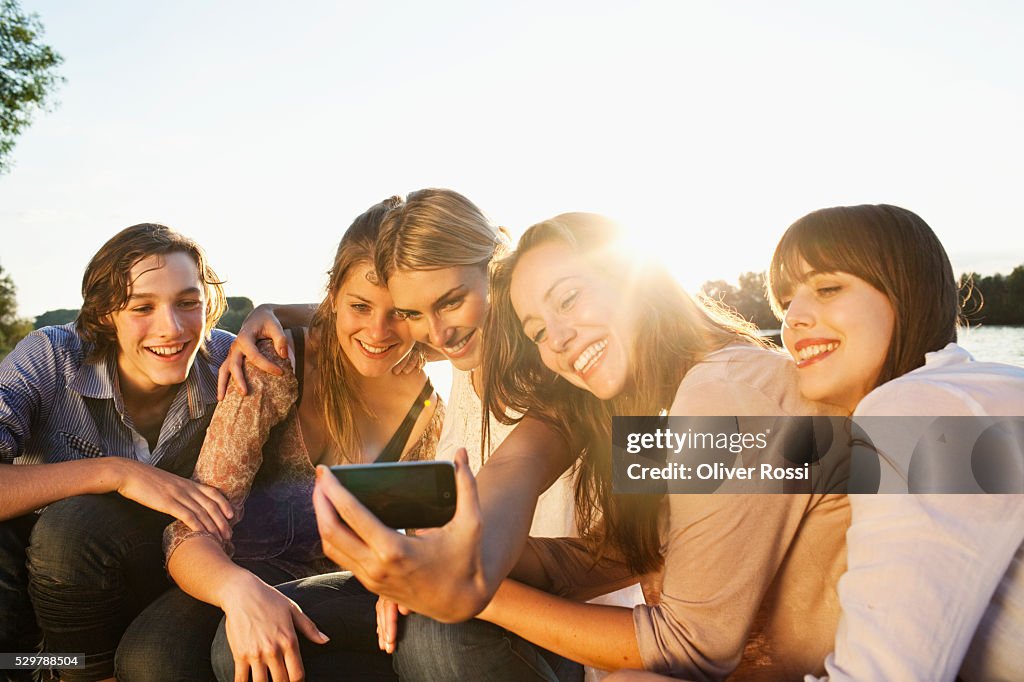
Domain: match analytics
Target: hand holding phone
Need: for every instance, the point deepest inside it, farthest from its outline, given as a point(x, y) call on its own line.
point(403, 494)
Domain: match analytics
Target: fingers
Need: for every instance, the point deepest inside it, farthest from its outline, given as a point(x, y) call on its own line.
point(339, 543)
point(278, 670)
point(218, 497)
point(242, 670)
point(234, 365)
point(307, 627)
point(467, 504)
point(390, 625)
point(216, 507)
point(361, 520)
point(224, 379)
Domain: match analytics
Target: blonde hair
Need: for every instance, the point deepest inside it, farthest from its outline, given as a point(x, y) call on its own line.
point(434, 229)
point(340, 402)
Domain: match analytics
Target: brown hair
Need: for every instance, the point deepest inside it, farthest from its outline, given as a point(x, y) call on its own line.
point(893, 250)
point(107, 281)
point(340, 402)
point(674, 333)
point(434, 229)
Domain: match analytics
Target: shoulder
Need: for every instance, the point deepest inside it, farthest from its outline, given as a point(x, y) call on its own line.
point(53, 348)
point(951, 383)
point(218, 346)
point(741, 380)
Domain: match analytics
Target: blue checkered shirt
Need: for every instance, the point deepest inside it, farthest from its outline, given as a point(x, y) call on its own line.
point(55, 406)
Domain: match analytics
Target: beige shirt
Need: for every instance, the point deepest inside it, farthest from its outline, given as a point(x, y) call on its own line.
point(749, 581)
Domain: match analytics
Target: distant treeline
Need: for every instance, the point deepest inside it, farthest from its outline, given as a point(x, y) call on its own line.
point(991, 300)
point(238, 308)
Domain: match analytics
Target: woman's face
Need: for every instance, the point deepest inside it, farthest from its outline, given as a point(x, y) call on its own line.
point(838, 328)
point(583, 328)
point(445, 309)
point(370, 333)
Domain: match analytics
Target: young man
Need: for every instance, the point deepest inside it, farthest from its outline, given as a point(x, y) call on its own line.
point(104, 419)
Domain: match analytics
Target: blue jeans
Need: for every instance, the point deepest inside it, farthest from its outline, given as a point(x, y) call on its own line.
point(94, 562)
point(474, 650)
point(170, 640)
point(344, 611)
point(19, 632)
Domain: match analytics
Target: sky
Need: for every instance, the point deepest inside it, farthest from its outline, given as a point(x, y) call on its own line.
point(706, 128)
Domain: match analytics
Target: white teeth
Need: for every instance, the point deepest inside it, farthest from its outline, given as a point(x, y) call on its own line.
point(815, 350)
point(461, 344)
point(376, 350)
point(589, 356)
point(165, 350)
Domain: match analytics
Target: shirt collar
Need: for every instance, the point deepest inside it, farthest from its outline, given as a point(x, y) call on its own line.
point(99, 380)
point(952, 354)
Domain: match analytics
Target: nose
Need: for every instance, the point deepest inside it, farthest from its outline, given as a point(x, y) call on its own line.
point(379, 326)
point(800, 312)
point(438, 333)
point(560, 334)
point(170, 325)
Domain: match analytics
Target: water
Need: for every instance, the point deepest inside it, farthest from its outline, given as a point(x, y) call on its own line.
point(995, 344)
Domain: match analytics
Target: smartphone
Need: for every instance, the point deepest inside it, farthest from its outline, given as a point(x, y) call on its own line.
point(403, 494)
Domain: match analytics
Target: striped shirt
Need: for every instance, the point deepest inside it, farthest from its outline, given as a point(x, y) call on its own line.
point(55, 406)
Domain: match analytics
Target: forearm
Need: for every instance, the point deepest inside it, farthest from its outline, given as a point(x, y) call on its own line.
point(599, 636)
point(25, 488)
point(201, 569)
point(532, 457)
point(293, 314)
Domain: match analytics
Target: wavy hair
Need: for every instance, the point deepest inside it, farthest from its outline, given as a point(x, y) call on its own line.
point(893, 250)
point(674, 332)
point(107, 282)
point(340, 402)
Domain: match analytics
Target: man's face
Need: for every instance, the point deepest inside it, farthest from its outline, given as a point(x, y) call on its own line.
point(160, 329)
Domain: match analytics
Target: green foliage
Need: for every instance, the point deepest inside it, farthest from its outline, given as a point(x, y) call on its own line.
point(55, 317)
point(995, 299)
point(12, 327)
point(748, 298)
point(238, 308)
point(28, 74)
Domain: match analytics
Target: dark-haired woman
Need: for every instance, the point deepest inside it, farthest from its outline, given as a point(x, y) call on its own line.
point(935, 586)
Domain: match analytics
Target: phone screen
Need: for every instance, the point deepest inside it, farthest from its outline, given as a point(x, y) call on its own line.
point(403, 494)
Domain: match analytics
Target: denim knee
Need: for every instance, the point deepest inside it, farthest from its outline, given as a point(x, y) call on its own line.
point(94, 562)
point(18, 629)
point(221, 659)
point(430, 650)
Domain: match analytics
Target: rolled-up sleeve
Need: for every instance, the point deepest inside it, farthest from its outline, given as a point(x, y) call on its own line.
point(28, 382)
point(233, 450)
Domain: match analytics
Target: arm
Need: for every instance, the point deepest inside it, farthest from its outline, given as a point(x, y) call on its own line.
point(266, 321)
point(591, 634)
point(29, 382)
point(449, 574)
point(922, 569)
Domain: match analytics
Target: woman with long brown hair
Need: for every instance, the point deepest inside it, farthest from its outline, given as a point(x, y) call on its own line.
point(337, 402)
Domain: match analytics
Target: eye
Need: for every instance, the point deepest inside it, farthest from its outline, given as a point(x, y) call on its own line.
point(406, 315)
point(360, 307)
point(784, 303)
point(142, 309)
point(190, 304)
point(568, 300)
point(452, 304)
point(825, 292)
point(539, 335)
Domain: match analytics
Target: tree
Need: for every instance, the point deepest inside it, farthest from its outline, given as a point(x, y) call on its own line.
point(238, 308)
point(12, 327)
point(56, 317)
point(28, 74)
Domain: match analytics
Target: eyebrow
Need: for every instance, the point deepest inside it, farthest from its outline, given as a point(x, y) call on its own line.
point(191, 291)
point(440, 300)
point(546, 296)
point(358, 297)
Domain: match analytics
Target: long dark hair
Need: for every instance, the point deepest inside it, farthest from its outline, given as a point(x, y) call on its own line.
point(893, 250)
point(674, 333)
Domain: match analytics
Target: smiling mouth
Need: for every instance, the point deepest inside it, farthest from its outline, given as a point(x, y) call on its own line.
point(374, 351)
point(460, 346)
point(811, 353)
point(590, 356)
point(167, 352)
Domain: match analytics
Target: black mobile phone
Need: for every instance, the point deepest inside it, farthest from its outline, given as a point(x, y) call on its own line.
point(403, 494)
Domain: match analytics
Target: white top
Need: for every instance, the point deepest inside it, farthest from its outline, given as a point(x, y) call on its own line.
point(462, 428)
point(933, 578)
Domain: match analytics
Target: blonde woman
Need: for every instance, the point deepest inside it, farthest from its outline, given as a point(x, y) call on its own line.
point(336, 400)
